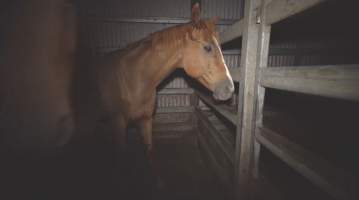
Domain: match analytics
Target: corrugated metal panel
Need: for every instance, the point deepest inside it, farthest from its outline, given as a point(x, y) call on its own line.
point(111, 36)
point(173, 100)
point(281, 60)
point(224, 9)
point(232, 60)
point(135, 8)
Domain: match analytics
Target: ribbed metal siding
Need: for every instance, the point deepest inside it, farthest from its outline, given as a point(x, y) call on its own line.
point(224, 9)
point(173, 100)
point(135, 8)
point(232, 60)
point(107, 36)
point(281, 60)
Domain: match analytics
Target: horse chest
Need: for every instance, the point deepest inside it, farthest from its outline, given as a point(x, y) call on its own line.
point(140, 107)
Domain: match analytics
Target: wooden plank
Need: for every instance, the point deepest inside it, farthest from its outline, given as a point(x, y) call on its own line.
point(222, 142)
point(175, 91)
point(335, 182)
point(236, 74)
point(232, 32)
point(224, 110)
point(338, 81)
point(262, 62)
point(278, 10)
point(246, 107)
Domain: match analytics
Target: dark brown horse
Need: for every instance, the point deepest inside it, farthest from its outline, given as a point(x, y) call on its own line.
point(128, 79)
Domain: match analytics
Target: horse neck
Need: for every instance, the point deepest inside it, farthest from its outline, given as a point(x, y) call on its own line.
point(159, 63)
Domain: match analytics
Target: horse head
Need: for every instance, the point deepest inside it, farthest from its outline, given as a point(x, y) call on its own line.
point(203, 59)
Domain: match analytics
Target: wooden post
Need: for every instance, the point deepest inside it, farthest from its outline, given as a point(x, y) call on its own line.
point(262, 62)
point(247, 102)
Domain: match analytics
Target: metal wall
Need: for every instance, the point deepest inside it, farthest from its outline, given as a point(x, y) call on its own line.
point(135, 8)
point(106, 36)
point(224, 9)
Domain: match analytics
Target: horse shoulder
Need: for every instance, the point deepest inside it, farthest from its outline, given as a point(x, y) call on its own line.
point(143, 106)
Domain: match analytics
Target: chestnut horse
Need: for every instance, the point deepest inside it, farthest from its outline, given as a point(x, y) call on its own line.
point(128, 80)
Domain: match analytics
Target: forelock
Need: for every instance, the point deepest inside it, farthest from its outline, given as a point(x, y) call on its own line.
point(207, 27)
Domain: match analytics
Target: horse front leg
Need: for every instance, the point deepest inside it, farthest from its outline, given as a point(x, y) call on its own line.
point(119, 132)
point(146, 132)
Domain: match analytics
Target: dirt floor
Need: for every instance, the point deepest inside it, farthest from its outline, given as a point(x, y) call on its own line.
point(183, 172)
point(89, 172)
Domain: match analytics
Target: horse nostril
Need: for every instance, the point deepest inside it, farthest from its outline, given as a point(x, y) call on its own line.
point(224, 90)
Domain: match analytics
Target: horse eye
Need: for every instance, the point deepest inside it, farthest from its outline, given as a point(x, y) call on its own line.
point(208, 48)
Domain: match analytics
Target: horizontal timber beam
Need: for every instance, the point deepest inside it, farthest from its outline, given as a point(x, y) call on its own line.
point(222, 142)
point(226, 111)
point(232, 32)
point(338, 81)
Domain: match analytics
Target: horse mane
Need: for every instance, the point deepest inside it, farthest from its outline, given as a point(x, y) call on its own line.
point(174, 36)
point(177, 34)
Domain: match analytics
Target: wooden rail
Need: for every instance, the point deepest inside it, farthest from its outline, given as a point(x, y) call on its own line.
point(219, 170)
point(226, 146)
point(335, 182)
point(232, 32)
point(224, 110)
point(339, 81)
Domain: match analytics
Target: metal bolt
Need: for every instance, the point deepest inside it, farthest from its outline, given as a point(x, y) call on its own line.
point(258, 19)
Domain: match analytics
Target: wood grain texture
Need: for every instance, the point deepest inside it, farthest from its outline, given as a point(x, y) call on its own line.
point(338, 81)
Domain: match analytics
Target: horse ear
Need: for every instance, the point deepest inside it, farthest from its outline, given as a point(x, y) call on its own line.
point(215, 20)
point(195, 13)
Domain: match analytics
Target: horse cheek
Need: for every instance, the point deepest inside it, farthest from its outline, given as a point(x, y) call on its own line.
point(193, 71)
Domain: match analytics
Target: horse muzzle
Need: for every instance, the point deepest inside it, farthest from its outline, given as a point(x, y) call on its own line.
point(223, 90)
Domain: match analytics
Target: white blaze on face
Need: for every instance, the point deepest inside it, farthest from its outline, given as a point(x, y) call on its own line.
point(222, 58)
point(224, 88)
